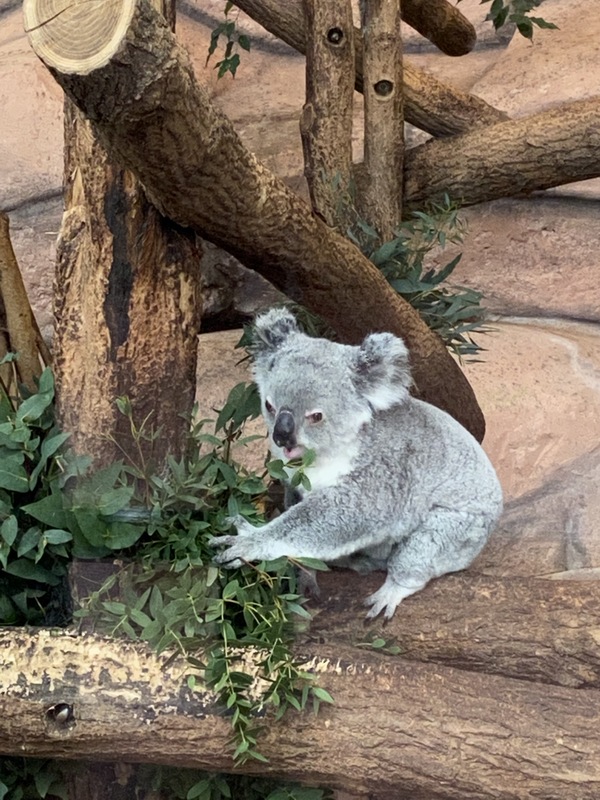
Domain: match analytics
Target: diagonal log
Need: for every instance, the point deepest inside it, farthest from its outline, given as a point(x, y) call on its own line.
point(441, 23)
point(554, 147)
point(431, 105)
point(136, 85)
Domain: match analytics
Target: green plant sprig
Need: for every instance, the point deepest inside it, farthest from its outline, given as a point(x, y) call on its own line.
point(454, 312)
point(234, 40)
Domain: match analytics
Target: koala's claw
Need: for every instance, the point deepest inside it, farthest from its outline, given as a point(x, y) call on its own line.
point(221, 541)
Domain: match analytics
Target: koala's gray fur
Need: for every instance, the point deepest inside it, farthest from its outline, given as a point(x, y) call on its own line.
point(397, 484)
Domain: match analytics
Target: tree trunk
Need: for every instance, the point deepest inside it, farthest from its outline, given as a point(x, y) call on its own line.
point(442, 733)
point(381, 199)
point(326, 122)
point(127, 306)
point(144, 96)
point(441, 23)
point(431, 105)
point(537, 152)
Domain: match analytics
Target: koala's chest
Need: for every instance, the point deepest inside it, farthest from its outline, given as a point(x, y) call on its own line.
point(327, 472)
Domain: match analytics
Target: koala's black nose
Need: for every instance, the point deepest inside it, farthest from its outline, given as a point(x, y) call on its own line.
point(283, 432)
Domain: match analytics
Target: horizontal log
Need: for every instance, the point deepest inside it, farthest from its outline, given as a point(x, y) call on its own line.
point(537, 630)
point(554, 147)
point(138, 89)
point(417, 731)
point(429, 104)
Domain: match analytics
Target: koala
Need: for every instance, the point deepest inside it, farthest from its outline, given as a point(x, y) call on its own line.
point(396, 483)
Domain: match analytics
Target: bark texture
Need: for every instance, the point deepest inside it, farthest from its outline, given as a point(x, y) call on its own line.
point(441, 23)
point(156, 120)
point(381, 202)
point(535, 630)
point(399, 729)
point(127, 307)
point(326, 122)
point(431, 105)
point(547, 149)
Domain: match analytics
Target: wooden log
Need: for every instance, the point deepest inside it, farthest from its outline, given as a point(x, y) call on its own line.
point(535, 630)
point(326, 122)
point(381, 200)
point(127, 307)
point(19, 330)
point(548, 149)
point(398, 729)
point(431, 105)
point(153, 118)
point(441, 23)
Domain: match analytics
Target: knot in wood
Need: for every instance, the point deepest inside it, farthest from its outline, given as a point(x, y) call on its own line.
point(384, 88)
point(335, 35)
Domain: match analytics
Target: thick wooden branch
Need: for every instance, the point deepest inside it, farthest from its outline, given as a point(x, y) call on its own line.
point(536, 630)
point(19, 330)
point(326, 122)
point(431, 105)
point(441, 23)
point(381, 201)
point(441, 733)
point(155, 119)
point(547, 149)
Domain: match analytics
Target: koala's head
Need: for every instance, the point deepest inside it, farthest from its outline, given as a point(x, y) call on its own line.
point(318, 394)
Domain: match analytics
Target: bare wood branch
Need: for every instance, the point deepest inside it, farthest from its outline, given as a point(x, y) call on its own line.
point(326, 122)
point(441, 23)
point(431, 105)
point(206, 179)
point(548, 149)
point(441, 732)
point(381, 202)
point(23, 334)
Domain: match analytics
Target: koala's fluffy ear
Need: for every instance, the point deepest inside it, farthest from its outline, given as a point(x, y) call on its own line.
point(382, 371)
point(271, 329)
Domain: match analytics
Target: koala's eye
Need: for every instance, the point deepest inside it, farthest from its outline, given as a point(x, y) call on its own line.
point(269, 407)
point(314, 417)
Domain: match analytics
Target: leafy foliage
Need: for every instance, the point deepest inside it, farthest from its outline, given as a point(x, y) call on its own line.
point(233, 626)
point(30, 779)
point(34, 553)
point(503, 12)
point(192, 785)
point(177, 599)
point(233, 41)
point(455, 313)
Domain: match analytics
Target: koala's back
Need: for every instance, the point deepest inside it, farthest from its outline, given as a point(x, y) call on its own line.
point(419, 453)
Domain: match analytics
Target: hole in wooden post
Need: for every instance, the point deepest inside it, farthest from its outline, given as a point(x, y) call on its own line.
point(384, 88)
point(335, 35)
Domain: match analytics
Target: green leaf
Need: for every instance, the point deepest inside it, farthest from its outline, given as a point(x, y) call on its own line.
point(31, 410)
point(9, 530)
point(57, 536)
point(29, 540)
point(12, 473)
point(49, 510)
point(244, 42)
point(26, 569)
point(121, 535)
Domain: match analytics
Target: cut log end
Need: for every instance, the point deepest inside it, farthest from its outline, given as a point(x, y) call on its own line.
point(80, 37)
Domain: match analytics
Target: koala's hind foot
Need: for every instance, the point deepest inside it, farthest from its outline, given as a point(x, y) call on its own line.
point(447, 541)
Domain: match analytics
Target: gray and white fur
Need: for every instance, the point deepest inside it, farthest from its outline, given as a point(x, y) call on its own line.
point(397, 484)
